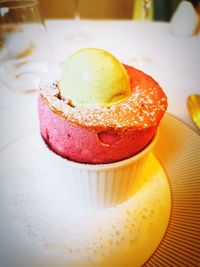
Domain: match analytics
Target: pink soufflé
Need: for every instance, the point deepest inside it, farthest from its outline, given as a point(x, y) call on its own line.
point(98, 135)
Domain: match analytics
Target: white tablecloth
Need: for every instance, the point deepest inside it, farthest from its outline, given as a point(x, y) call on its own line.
point(30, 232)
point(173, 61)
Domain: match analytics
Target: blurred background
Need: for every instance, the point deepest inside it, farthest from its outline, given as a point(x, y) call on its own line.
point(108, 9)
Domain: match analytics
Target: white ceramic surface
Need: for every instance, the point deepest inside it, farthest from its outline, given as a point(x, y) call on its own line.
point(43, 224)
point(102, 185)
point(36, 225)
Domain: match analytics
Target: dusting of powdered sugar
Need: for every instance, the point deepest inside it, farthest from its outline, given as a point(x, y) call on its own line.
point(142, 109)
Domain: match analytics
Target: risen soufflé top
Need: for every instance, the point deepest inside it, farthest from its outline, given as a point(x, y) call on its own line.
point(140, 105)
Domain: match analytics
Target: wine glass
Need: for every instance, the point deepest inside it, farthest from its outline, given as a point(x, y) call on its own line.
point(143, 10)
point(147, 9)
point(78, 35)
point(24, 47)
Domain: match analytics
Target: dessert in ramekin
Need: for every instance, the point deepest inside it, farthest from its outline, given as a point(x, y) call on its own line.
point(102, 112)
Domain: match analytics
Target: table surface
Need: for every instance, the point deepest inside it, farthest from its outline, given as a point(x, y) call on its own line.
point(150, 46)
point(174, 62)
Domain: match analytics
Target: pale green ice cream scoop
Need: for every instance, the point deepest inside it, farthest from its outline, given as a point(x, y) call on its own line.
point(94, 77)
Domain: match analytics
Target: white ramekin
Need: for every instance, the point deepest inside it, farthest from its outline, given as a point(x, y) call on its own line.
point(104, 185)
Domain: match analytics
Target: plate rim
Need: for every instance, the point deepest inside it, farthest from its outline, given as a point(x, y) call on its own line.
point(156, 258)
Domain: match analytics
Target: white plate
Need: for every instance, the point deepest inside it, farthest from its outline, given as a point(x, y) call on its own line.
point(178, 150)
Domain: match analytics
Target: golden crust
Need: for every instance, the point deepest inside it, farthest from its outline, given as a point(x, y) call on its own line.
point(144, 108)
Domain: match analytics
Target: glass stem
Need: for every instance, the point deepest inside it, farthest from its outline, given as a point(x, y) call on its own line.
point(146, 7)
point(77, 15)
